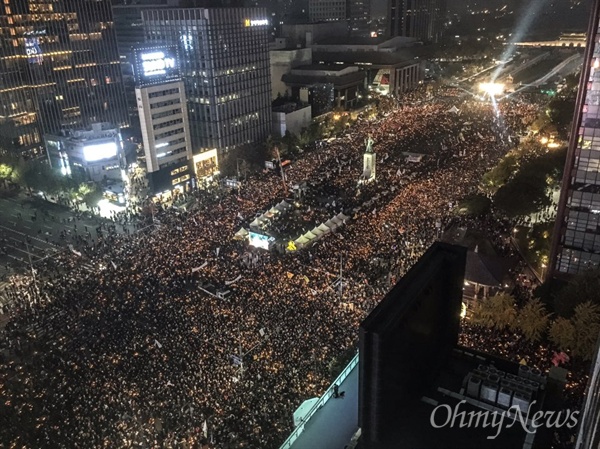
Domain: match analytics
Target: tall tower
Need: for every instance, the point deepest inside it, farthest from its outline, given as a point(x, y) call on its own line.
point(59, 69)
point(576, 244)
point(225, 69)
point(415, 18)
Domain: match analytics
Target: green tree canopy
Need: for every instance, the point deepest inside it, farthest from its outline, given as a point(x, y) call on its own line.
point(519, 198)
point(498, 311)
point(474, 205)
point(582, 287)
point(532, 320)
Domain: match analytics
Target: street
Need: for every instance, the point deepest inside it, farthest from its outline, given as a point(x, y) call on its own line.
point(33, 227)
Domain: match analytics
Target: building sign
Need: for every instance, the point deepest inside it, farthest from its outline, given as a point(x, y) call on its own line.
point(155, 65)
point(33, 50)
point(206, 164)
point(256, 22)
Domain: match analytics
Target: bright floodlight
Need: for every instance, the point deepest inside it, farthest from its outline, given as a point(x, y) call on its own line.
point(491, 89)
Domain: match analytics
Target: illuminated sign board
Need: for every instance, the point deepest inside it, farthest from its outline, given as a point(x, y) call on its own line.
point(255, 22)
point(155, 65)
point(33, 50)
point(93, 153)
point(259, 240)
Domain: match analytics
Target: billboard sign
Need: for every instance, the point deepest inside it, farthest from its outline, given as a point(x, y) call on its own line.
point(259, 240)
point(155, 65)
point(255, 22)
point(98, 152)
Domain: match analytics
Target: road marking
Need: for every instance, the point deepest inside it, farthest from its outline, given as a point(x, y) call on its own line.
point(26, 227)
point(48, 227)
point(26, 235)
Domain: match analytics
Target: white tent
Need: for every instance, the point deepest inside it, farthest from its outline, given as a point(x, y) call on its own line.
point(324, 228)
point(342, 217)
point(454, 110)
point(337, 221)
point(255, 223)
point(301, 241)
point(310, 236)
point(284, 205)
point(331, 225)
point(317, 232)
point(241, 234)
point(273, 211)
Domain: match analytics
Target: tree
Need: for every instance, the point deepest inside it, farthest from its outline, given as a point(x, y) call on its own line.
point(500, 174)
point(518, 198)
point(532, 320)
point(474, 205)
point(92, 197)
point(586, 321)
point(497, 311)
point(582, 287)
point(562, 333)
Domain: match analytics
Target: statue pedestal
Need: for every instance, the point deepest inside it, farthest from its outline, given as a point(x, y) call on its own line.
point(369, 167)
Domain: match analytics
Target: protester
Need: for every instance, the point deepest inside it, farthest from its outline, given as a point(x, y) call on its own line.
point(144, 353)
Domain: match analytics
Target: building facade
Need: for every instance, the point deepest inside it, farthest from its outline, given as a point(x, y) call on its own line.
point(162, 110)
point(359, 16)
point(327, 10)
point(59, 69)
point(225, 68)
point(576, 244)
point(421, 19)
point(95, 154)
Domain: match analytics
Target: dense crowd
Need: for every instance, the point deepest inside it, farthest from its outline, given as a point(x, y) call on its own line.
point(143, 353)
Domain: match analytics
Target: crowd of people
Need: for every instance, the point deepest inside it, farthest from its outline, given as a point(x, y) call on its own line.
point(178, 339)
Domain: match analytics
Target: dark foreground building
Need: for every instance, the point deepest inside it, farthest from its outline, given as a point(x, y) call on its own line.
point(414, 378)
point(406, 339)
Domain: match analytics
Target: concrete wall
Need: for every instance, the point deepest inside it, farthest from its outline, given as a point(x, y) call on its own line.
point(296, 34)
point(292, 121)
point(282, 62)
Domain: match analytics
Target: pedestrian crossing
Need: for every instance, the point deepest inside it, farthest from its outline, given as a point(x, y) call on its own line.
point(88, 266)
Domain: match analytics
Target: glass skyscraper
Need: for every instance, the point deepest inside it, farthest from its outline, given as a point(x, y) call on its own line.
point(576, 245)
point(59, 69)
point(224, 56)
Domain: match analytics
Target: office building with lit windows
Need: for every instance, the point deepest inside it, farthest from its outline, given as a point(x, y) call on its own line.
point(576, 244)
point(421, 19)
point(327, 10)
point(59, 69)
point(225, 68)
point(162, 110)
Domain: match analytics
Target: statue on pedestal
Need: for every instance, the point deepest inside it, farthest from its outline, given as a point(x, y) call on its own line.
point(369, 143)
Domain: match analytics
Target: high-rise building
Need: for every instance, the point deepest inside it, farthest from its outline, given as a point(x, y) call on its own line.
point(359, 15)
point(327, 10)
point(130, 34)
point(162, 106)
point(59, 69)
point(576, 244)
point(356, 12)
point(421, 19)
point(225, 68)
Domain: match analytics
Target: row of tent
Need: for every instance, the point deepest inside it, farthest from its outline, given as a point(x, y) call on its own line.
point(280, 208)
point(321, 230)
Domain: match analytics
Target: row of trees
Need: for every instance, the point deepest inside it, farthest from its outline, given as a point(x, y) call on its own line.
point(577, 335)
point(37, 176)
point(520, 184)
